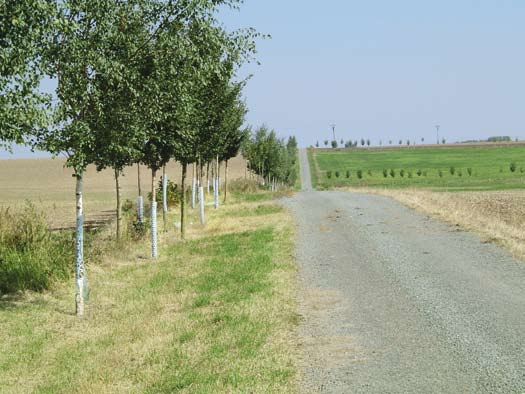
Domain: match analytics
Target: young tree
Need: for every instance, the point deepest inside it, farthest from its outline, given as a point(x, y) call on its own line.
point(23, 109)
point(77, 51)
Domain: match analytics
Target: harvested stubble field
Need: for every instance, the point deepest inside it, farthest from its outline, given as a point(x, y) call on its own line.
point(50, 185)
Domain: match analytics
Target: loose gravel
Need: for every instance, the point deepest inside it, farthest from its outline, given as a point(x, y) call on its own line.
point(396, 302)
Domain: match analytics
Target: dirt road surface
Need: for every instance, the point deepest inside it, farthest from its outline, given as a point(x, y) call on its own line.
point(396, 302)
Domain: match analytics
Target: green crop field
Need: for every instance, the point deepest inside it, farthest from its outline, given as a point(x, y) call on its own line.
point(452, 168)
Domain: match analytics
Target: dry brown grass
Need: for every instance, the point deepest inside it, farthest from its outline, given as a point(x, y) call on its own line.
point(48, 183)
point(497, 216)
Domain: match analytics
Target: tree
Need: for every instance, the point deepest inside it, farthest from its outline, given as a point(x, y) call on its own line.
point(77, 51)
point(444, 141)
point(23, 109)
point(368, 142)
point(317, 144)
point(363, 142)
point(334, 144)
point(325, 142)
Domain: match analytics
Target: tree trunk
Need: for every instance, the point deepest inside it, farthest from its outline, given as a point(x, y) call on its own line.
point(81, 288)
point(201, 193)
point(164, 197)
point(140, 201)
point(183, 202)
point(154, 249)
point(119, 204)
point(225, 180)
point(193, 185)
point(208, 178)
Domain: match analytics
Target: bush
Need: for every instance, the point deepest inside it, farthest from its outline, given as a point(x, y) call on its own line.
point(469, 171)
point(409, 173)
point(243, 186)
point(347, 174)
point(419, 172)
point(31, 256)
point(521, 169)
point(392, 173)
point(369, 172)
point(127, 206)
point(402, 173)
point(337, 174)
point(359, 174)
point(452, 170)
point(329, 174)
point(440, 173)
point(385, 172)
point(512, 167)
point(174, 194)
point(460, 173)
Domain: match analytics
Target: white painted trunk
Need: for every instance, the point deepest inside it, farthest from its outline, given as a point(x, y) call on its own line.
point(201, 202)
point(81, 289)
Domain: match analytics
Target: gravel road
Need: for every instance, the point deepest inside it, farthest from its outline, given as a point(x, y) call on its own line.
point(396, 302)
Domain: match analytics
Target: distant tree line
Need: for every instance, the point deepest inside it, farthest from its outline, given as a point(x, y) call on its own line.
point(270, 157)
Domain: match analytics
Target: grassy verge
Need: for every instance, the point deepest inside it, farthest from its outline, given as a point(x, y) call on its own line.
point(313, 168)
point(214, 314)
point(297, 169)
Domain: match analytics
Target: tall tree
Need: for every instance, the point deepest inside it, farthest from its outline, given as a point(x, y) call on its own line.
point(23, 108)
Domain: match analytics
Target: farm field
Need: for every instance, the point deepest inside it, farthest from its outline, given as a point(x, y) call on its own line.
point(50, 185)
point(473, 167)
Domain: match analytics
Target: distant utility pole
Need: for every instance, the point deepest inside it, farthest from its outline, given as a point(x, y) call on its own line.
point(437, 132)
point(333, 131)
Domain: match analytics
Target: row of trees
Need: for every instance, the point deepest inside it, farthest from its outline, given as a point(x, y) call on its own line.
point(140, 81)
point(273, 159)
point(367, 142)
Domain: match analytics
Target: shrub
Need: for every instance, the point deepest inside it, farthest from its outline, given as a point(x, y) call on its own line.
point(402, 173)
point(521, 169)
point(329, 174)
point(347, 174)
point(409, 173)
point(31, 256)
point(469, 171)
point(419, 172)
point(440, 173)
point(392, 173)
point(452, 170)
point(460, 173)
point(243, 186)
point(369, 172)
point(385, 172)
point(512, 167)
point(337, 174)
point(360, 174)
point(127, 206)
point(174, 194)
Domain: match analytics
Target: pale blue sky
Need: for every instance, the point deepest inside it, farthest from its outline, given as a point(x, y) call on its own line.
point(387, 69)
